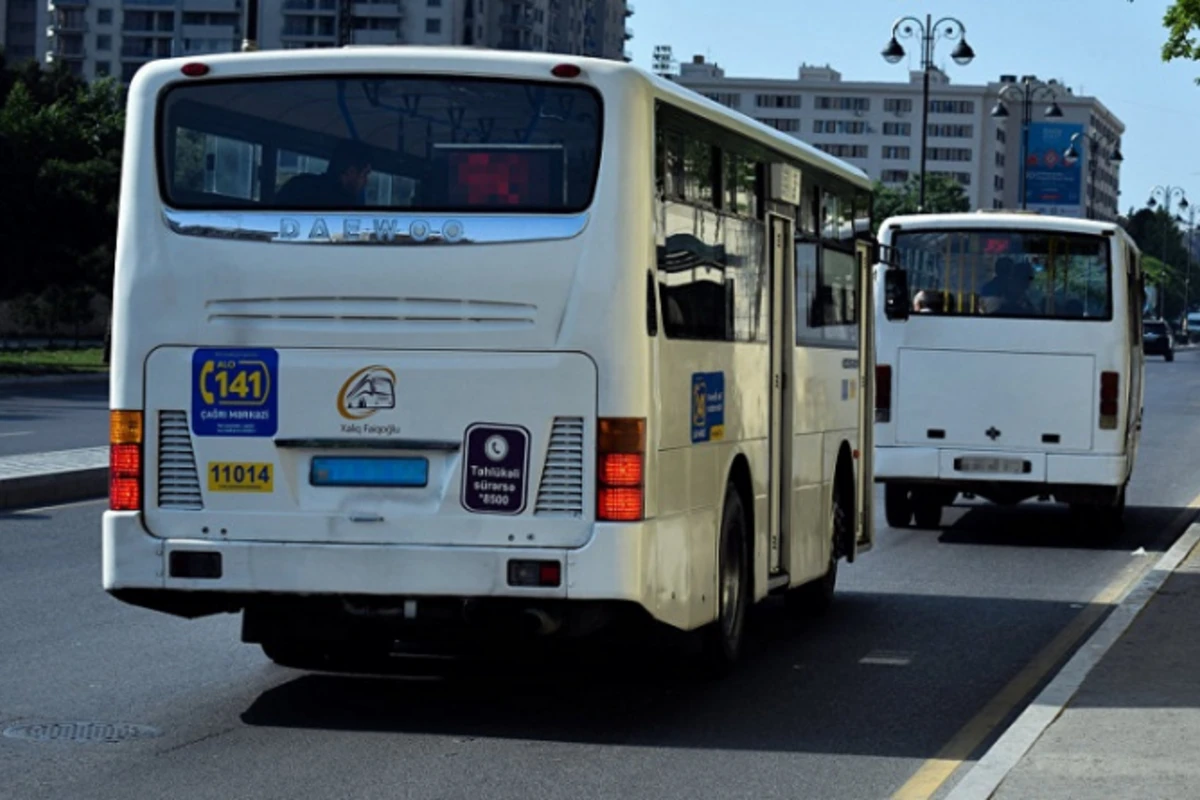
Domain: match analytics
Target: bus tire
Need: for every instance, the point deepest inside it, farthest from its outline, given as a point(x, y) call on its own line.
point(1170, 356)
point(897, 505)
point(722, 639)
point(815, 597)
point(927, 509)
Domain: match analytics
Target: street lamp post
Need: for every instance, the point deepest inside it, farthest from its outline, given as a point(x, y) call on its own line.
point(1187, 272)
point(1093, 148)
point(1027, 91)
point(1167, 193)
point(929, 32)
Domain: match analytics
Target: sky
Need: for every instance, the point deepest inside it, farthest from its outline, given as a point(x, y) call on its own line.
point(1110, 49)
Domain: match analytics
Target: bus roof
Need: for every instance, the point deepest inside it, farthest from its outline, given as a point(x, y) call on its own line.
point(359, 58)
point(1007, 219)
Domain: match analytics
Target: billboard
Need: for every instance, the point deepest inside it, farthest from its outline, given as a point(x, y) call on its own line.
point(1054, 183)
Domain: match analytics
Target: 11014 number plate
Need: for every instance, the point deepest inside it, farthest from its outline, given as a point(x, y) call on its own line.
point(229, 476)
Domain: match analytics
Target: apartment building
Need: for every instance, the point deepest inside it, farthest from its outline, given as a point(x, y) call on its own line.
point(96, 38)
point(877, 127)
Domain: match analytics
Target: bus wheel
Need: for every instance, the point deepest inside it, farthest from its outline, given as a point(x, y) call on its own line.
point(722, 642)
point(815, 598)
point(897, 505)
point(927, 509)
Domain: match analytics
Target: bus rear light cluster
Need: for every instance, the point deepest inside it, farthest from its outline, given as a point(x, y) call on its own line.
point(621, 470)
point(883, 393)
point(125, 461)
point(1110, 383)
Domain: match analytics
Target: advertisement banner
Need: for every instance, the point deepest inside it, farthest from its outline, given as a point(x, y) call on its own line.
point(1053, 182)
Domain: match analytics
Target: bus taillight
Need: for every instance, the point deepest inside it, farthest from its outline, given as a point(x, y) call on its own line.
point(621, 469)
point(1109, 405)
point(125, 461)
point(883, 393)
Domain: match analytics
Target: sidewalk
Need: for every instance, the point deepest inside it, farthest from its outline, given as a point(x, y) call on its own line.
point(1133, 728)
point(57, 477)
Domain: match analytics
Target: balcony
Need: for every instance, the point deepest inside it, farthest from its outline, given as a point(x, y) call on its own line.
point(66, 24)
point(310, 6)
point(53, 4)
point(522, 22)
point(628, 33)
point(390, 10)
point(629, 9)
point(376, 37)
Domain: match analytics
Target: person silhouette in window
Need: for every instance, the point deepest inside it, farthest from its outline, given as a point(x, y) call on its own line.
point(1015, 298)
point(340, 186)
point(991, 294)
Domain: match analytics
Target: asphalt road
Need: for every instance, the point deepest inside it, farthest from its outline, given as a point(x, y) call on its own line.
point(40, 417)
point(929, 628)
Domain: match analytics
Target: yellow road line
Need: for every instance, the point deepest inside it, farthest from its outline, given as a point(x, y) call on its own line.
point(936, 771)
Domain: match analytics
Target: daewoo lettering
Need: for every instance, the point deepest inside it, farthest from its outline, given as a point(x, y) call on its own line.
point(372, 230)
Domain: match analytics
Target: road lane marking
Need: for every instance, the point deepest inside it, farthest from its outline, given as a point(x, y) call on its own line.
point(888, 658)
point(986, 777)
point(932, 774)
point(14, 433)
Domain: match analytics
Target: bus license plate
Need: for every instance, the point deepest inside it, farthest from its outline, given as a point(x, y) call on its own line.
point(370, 472)
point(230, 476)
point(1007, 466)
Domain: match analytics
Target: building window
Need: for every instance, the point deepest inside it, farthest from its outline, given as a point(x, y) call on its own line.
point(433, 25)
point(103, 43)
point(1000, 159)
point(844, 103)
point(785, 125)
point(998, 182)
point(103, 69)
point(897, 129)
point(952, 131)
point(434, 3)
point(894, 175)
point(844, 150)
point(951, 106)
point(1001, 136)
point(949, 154)
point(849, 127)
point(777, 101)
point(729, 99)
point(897, 153)
point(897, 104)
point(104, 16)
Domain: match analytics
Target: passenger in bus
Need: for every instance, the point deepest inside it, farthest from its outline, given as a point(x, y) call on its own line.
point(991, 294)
point(927, 302)
point(1015, 297)
point(340, 186)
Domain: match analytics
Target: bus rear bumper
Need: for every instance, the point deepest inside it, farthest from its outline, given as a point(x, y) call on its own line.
point(196, 577)
point(937, 465)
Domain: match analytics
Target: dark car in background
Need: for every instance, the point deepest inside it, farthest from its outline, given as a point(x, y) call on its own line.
point(1157, 339)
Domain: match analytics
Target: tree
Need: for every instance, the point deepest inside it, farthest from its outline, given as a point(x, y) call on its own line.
point(942, 195)
point(1181, 19)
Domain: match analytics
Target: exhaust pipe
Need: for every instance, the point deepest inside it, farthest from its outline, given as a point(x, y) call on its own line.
point(543, 623)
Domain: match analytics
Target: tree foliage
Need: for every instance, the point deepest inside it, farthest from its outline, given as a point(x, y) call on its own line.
point(60, 154)
point(942, 195)
point(1166, 261)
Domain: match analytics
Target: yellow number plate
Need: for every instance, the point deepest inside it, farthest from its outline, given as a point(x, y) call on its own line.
point(226, 476)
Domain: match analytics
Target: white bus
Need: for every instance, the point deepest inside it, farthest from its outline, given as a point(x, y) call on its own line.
point(418, 342)
point(1009, 363)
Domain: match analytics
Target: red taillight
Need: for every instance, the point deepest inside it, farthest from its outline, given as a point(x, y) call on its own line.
point(566, 71)
point(621, 467)
point(1110, 384)
point(125, 461)
point(883, 392)
point(194, 69)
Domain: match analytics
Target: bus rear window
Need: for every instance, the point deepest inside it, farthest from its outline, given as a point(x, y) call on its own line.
point(434, 144)
point(1007, 273)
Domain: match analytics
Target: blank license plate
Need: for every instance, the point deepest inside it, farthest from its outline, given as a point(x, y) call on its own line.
point(991, 464)
point(369, 471)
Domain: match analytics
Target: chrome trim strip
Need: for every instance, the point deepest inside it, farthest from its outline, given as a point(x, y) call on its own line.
point(372, 229)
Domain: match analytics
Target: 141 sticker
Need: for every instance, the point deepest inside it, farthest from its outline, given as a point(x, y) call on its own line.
point(496, 469)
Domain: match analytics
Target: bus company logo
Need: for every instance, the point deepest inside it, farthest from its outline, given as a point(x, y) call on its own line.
point(372, 230)
point(370, 390)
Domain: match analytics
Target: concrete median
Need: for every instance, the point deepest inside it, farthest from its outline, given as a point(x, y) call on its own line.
point(64, 476)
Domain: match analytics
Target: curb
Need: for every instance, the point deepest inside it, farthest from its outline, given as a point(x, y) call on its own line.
point(33, 380)
point(986, 777)
point(52, 488)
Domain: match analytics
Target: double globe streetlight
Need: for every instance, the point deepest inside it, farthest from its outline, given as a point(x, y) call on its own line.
point(929, 32)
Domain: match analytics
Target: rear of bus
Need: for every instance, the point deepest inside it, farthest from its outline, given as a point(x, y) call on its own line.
point(1011, 367)
point(364, 303)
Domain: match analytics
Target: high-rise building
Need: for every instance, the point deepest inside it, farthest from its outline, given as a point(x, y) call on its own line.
point(115, 37)
point(877, 126)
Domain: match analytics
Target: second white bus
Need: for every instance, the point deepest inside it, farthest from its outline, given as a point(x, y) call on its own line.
point(1009, 363)
point(412, 341)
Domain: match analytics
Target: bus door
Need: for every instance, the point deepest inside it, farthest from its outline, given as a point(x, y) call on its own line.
point(864, 466)
point(783, 337)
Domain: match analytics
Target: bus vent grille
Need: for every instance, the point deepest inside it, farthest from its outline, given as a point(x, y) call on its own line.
point(178, 481)
point(561, 490)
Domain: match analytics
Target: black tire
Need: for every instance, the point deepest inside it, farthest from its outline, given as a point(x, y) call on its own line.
point(1170, 356)
point(1104, 521)
point(722, 640)
point(816, 597)
point(927, 509)
point(897, 505)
